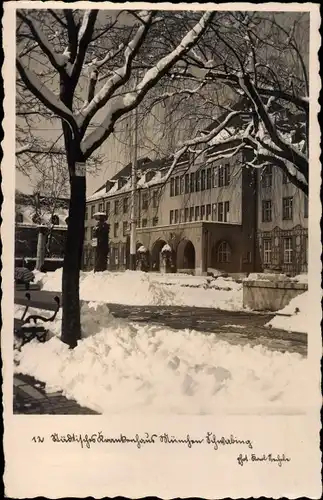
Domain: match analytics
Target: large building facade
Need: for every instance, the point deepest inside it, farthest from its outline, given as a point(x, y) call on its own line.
point(212, 214)
point(39, 214)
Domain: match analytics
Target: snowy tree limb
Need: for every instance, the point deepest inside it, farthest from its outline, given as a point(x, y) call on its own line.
point(45, 95)
point(120, 76)
point(291, 153)
point(55, 59)
point(120, 106)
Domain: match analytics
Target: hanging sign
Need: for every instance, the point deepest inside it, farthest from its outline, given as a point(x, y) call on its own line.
point(80, 169)
point(94, 242)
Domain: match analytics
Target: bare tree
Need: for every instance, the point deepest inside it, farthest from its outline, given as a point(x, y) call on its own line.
point(80, 65)
point(251, 72)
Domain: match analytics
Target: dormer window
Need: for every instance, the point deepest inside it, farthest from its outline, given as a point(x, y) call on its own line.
point(149, 175)
point(19, 217)
point(121, 182)
point(55, 220)
point(108, 186)
point(36, 219)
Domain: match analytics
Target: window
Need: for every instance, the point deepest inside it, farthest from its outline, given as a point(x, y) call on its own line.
point(125, 205)
point(221, 176)
point(197, 181)
point(203, 180)
point(116, 229)
point(92, 211)
point(266, 210)
point(86, 214)
point(176, 216)
point(107, 208)
point(267, 176)
point(226, 174)
point(226, 211)
point(116, 207)
point(144, 201)
point(192, 182)
point(116, 256)
point(267, 251)
point(176, 186)
point(144, 223)
point(288, 208)
point(19, 217)
point(305, 207)
point(187, 183)
point(186, 215)
point(124, 227)
point(220, 211)
point(215, 177)
point(181, 185)
point(202, 212)
point(155, 199)
point(288, 251)
point(172, 186)
point(224, 252)
point(197, 213)
point(36, 219)
point(101, 207)
point(208, 211)
point(213, 211)
point(208, 178)
point(171, 217)
point(155, 221)
point(191, 214)
point(285, 178)
point(55, 220)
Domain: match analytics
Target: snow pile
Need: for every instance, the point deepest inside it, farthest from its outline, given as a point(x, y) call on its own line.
point(297, 318)
point(301, 278)
point(126, 367)
point(139, 288)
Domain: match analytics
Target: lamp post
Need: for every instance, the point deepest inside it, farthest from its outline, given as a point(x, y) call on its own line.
point(133, 235)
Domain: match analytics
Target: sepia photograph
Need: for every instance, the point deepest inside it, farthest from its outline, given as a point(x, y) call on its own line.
point(161, 211)
point(161, 222)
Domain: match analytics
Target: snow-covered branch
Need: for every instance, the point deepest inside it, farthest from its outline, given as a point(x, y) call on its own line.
point(30, 148)
point(130, 100)
point(119, 77)
point(290, 153)
point(58, 61)
point(44, 94)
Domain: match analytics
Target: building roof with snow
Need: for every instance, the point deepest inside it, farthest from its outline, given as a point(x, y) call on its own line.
point(35, 210)
point(149, 173)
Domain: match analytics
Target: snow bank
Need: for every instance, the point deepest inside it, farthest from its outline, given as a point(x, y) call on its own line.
point(301, 278)
point(139, 288)
point(297, 319)
point(126, 367)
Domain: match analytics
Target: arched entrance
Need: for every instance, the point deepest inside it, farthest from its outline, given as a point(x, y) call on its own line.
point(155, 254)
point(185, 255)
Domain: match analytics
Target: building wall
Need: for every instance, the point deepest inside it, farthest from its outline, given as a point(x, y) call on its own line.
point(283, 239)
point(170, 215)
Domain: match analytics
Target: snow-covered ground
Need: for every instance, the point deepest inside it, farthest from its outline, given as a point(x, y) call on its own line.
point(139, 288)
point(122, 367)
point(296, 318)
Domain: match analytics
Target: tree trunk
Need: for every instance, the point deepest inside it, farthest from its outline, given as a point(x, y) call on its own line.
point(71, 323)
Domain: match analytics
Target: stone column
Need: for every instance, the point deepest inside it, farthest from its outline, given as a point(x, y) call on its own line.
point(41, 242)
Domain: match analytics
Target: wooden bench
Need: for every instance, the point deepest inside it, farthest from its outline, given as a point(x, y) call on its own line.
point(27, 328)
